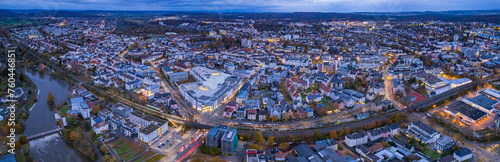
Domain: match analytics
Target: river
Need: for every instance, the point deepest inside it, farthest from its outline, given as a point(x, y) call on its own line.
point(50, 148)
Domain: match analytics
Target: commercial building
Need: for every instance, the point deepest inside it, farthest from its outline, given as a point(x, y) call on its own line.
point(468, 113)
point(459, 82)
point(422, 132)
point(430, 81)
point(212, 88)
point(224, 137)
point(482, 102)
point(493, 93)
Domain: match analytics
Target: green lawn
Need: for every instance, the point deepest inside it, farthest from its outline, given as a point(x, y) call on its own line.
point(121, 149)
point(128, 156)
point(63, 111)
point(24, 85)
point(432, 154)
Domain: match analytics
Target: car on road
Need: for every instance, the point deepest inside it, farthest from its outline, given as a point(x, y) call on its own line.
point(167, 141)
point(159, 146)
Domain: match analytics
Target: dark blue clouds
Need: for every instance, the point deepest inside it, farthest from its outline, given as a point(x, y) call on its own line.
point(256, 5)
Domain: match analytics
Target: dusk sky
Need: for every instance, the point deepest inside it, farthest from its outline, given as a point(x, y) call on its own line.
point(256, 5)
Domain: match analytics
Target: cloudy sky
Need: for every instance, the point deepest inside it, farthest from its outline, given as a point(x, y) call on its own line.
point(255, 5)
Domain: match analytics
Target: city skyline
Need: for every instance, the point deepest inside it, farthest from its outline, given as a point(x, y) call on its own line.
point(341, 6)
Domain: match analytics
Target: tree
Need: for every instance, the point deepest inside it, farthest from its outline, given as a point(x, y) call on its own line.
point(71, 121)
point(372, 125)
point(347, 130)
point(333, 134)
point(341, 147)
point(284, 146)
point(347, 152)
point(317, 135)
point(73, 136)
point(96, 109)
point(275, 118)
point(270, 141)
point(385, 144)
point(254, 146)
point(23, 139)
point(258, 138)
point(396, 118)
point(104, 149)
point(50, 99)
point(109, 158)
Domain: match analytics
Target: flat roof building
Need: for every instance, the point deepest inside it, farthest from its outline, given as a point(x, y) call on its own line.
point(423, 132)
point(482, 102)
point(469, 114)
point(212, 88)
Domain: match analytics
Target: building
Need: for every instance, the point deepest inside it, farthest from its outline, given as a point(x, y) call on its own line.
point(305, 151)
point(422, 132)
point(430, 81)
point(229, 141)
point(355, 139)
point(444, 144)
point(150, 127)
point(224, 137)
point(247, 43)
point(79, 104)
point(327, 143)
point(374, 134)
point(462, 154)
point(482, 102)
point(394, 129)
point(166, 70)
point(178, 77)
point(130, 129)
point(212, 88)
point(121, 109)
point(468, 113)
point(459, 82)
point(493, 93)
point(116, 122)
point(99, 125)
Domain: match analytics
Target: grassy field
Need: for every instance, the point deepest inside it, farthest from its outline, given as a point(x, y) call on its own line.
point(63, 111)
point(144, 156)
point(123, 146)
point(13, 21)
point(127, 150)
point(432, 154)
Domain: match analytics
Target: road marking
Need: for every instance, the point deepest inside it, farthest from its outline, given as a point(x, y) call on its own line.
point(32, 107)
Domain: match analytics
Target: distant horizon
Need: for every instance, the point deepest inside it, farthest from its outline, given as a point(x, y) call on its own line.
point(201, 11)
point(255, 6)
